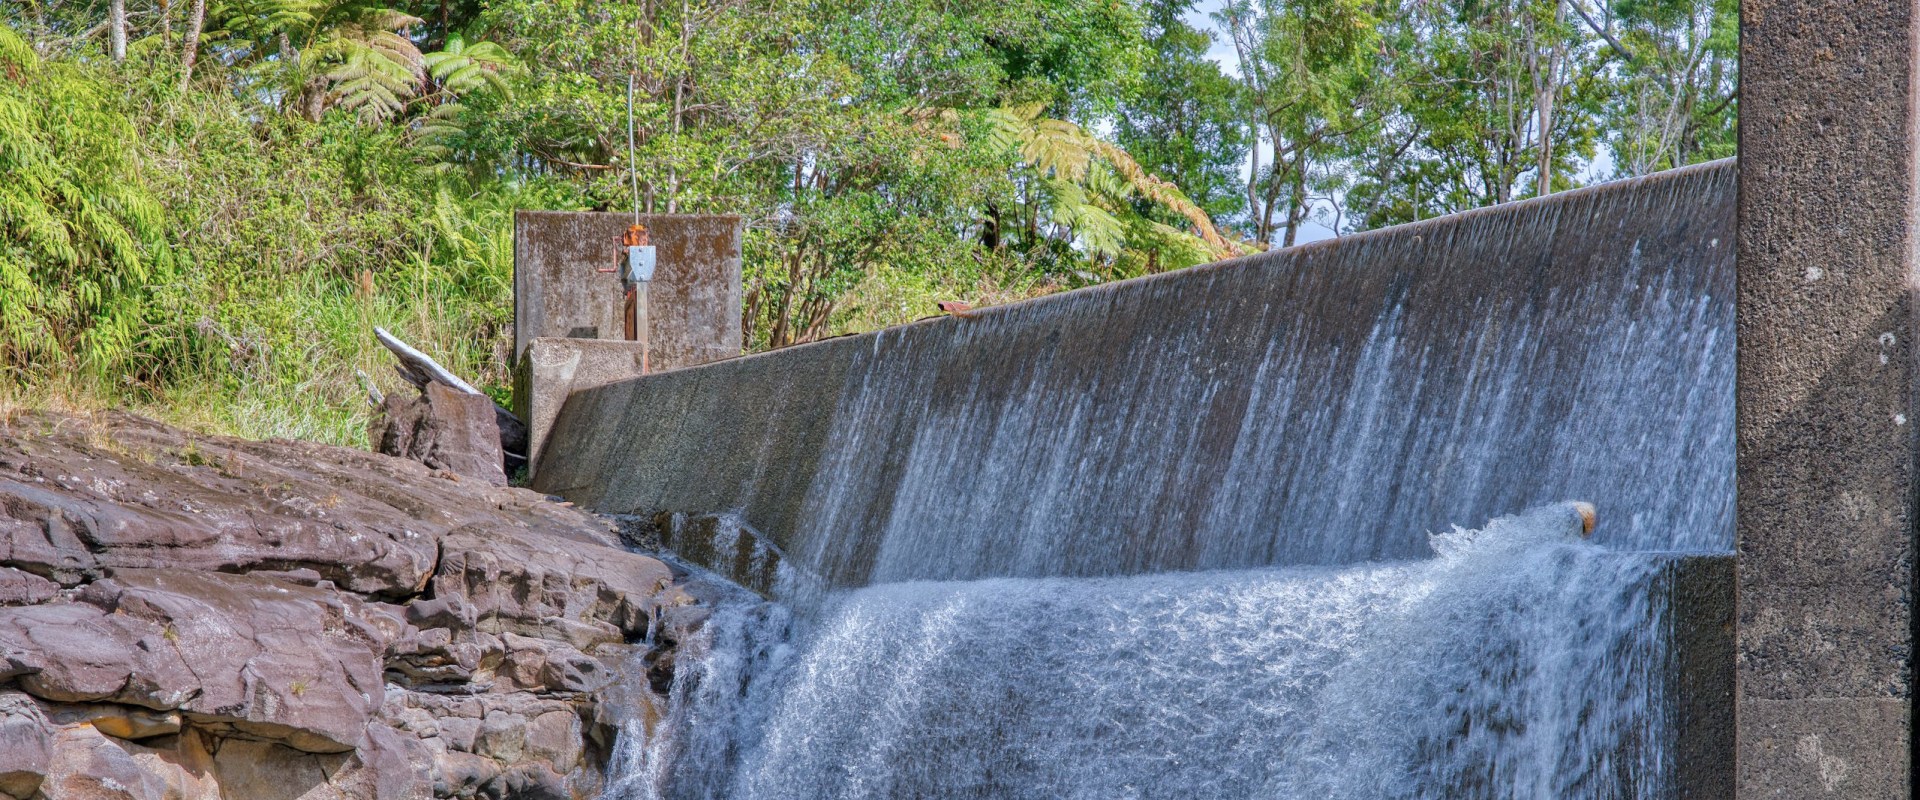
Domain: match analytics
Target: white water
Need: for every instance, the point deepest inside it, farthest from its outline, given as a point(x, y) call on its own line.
point(1518, 662)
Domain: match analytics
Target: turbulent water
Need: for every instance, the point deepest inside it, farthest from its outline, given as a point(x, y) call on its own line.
point(1519, 662)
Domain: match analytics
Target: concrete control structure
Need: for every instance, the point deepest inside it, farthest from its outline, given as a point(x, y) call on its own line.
point(568, 316)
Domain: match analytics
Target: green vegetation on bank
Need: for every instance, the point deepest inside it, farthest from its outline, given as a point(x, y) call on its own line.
point(206, 204)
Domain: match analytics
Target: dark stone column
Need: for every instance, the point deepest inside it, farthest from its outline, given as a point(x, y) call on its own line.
point(1826, 390)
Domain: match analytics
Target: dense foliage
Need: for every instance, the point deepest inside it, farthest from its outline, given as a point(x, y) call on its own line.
point(206, 203)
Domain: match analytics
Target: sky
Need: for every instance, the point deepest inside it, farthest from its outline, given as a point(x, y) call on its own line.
point(1222, 52)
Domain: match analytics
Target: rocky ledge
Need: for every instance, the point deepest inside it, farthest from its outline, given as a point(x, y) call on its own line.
point(184, 616)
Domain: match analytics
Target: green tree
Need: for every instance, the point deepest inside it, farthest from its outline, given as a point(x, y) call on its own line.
point(1675, 88)
point(1312, 86)
point(1184, 124)
point(1500, 98)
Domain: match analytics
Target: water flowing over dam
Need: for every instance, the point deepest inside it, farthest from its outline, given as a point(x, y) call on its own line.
point(1519, 662)
point(1325, 404)
point(1175, 537)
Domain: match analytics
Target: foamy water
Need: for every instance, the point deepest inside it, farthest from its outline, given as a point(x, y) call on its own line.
point(1519, 661)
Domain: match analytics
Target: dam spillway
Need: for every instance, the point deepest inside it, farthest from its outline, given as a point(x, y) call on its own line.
point(1324, 404)
point(1298, 421)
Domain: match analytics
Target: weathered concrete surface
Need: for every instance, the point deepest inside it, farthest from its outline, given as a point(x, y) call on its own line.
point(551, 369)
point(1701, 676)
point(1826, 384)
point(1324, 404)
point(693, 314)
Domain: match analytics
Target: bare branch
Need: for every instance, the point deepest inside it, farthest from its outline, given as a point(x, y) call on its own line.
point(1600, 29)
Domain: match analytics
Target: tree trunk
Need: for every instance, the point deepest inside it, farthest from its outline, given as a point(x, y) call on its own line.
point(1546, 91)
point(1295, 210)
point(190, 47)
point(1253, 174)
point(117, 35)
point(39, 24)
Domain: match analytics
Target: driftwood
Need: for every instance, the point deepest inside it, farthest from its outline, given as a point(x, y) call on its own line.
point(374, 395)
point(417, 367)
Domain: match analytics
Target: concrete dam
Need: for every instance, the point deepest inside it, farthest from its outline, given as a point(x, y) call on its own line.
point(1289, 525)
point(1325, 404)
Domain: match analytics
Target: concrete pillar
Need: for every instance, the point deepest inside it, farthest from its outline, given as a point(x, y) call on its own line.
point(551, 369)
point(1826, 384)
point(693, 308)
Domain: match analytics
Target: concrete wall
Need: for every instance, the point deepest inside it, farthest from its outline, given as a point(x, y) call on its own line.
point(1324, 404)
point(1701, 676)
point(550, 369)
point(693, 313)
point(1827, 379)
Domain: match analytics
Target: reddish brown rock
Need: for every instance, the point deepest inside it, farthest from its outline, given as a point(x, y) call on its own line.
point(547, 587)
point(24, 588)
point(443, 428)
point(26, 745)
point(199, 617)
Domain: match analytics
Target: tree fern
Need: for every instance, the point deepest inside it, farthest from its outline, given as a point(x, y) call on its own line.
point(370, 68)
point(464, 69)
point(1068, 156)
point(80, 236)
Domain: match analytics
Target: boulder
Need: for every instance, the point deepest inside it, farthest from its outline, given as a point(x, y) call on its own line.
point(443, 428)
point(549, 666)
point(78, 496)
point(540, 586)
point(119, 721)
point(89, 765)
point(70, 508)
point(19, 588)
point(26, 745)
point(238, 653)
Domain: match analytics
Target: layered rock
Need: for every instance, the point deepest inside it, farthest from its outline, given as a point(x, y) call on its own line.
point(197, 617)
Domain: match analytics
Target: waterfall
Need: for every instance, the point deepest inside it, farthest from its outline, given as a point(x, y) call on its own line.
point(1518, 661)
point(1316, 405)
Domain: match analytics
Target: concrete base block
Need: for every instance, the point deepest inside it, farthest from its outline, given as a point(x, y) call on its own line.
point(1833, 747)
point(551, 369)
